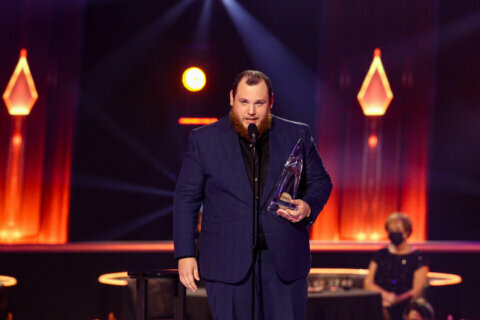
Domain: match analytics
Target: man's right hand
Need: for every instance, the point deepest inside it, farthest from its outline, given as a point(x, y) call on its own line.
point(188, 272)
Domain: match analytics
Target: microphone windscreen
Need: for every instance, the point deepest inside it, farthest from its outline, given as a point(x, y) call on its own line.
point(252, 130)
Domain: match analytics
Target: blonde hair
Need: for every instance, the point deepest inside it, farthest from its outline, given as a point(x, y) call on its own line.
point(403, 218)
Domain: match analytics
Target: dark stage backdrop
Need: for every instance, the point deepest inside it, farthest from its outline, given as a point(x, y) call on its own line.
point(128, 146)
point(454, 184)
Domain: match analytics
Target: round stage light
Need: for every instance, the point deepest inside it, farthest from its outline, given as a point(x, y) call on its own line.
point(194, 79)
point(114, 279)
point(372, 141)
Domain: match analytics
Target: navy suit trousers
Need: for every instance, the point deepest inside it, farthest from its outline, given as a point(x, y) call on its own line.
point(275, 299)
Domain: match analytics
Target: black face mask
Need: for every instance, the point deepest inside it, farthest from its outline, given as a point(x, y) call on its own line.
point(396, 237)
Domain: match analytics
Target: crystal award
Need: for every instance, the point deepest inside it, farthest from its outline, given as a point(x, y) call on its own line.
point(290, 179)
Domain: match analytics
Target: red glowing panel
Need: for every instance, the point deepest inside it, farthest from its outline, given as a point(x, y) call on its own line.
point(196, 121)
point(20, 95)
point(13, 222)
point(375, 94)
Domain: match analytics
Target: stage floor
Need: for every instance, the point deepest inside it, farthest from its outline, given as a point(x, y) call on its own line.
point(64, 274)
point(167, 246)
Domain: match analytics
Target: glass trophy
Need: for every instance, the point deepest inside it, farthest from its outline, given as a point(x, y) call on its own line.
point(290, 179)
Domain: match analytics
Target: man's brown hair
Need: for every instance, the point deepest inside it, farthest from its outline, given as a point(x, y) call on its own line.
point(253, 77)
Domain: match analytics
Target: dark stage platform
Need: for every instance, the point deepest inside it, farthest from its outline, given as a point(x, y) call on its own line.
point(167, 246)
point(61, 281)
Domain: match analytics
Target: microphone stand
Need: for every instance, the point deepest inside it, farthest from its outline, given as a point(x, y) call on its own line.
point(254, 220)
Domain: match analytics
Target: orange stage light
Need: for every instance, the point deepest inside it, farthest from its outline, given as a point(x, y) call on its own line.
point(375, 94)
point(372, 183)
point(349, 271)
point(17, 140)
point(20, 95)
point(21, 217)
point(374, 236)
point(6, 281)
point(361, 236)
point(194, 79)
point(443, 279)
point(196, 121)
point(114, 279)
point(35, 184)
point(372, 141)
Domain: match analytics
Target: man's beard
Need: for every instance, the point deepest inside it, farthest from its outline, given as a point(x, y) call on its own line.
point(262, 127)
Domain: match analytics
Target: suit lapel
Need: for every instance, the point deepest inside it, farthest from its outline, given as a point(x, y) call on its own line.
point(234, 157)
point(278, 156)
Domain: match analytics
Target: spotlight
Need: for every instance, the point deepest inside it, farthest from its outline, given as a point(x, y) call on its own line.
point(361, 236)
point(374, 236)
point(194, 79)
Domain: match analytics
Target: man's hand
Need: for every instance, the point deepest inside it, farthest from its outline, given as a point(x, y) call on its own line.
point(188, 272)
point(303, 210)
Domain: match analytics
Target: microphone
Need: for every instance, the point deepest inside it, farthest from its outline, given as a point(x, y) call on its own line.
point(253, 132)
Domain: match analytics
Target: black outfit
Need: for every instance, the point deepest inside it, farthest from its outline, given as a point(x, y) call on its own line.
point(261, 164)
point(395, 274)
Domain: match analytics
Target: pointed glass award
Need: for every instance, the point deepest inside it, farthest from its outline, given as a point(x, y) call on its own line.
point(289, 181)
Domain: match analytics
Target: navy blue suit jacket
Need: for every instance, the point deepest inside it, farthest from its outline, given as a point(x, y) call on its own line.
point(213, 174)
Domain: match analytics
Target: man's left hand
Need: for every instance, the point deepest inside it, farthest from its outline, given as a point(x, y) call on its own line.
point(303, 210)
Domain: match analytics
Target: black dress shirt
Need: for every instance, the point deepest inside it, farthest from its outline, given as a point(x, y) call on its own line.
point(262, 159)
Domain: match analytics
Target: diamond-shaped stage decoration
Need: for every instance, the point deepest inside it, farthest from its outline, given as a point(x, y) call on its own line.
point(20, 95)
point(375, 94)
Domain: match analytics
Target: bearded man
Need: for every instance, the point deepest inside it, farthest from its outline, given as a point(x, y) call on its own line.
point(218, 173)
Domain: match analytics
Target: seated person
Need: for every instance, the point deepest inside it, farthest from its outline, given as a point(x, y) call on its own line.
point(418, 309)
point(398, 272)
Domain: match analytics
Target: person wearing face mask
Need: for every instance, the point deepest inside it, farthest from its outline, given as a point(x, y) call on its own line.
point(398, 272)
